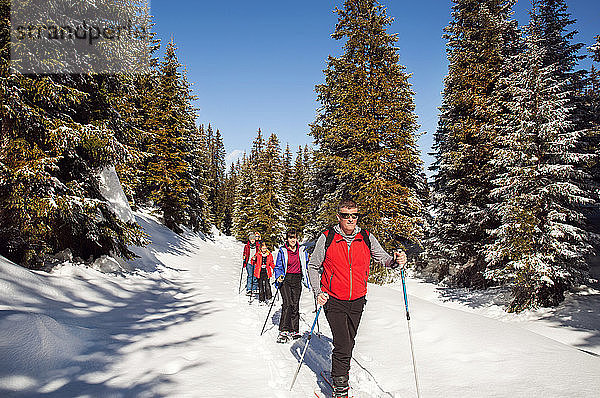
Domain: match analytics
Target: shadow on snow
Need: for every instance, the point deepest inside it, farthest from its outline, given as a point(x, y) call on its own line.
point(108, 334)
point(580, 311)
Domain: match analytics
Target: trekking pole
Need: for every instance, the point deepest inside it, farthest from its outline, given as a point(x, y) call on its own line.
point(241, 274)
point(305, 347)
point(265, 324)
point(318, 329)
point(412, 351)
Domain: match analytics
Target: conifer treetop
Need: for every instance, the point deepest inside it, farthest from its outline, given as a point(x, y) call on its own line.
point(366, 127)
point(595, 49)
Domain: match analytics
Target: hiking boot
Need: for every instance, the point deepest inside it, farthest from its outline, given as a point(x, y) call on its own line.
point(296, 335)
point(283, 337)
point(340, 386)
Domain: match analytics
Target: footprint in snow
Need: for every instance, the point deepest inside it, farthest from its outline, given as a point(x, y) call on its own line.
point(172, 367)
point(191, 355)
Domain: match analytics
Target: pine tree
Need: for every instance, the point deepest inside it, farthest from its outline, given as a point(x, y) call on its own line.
point(313, 226)
point(286, 183)
point(257, 145)
point(231, 182)
point(590, 143)
point(58, 132)
point(267, 215)
point(135, 100)
point(541, 245)
point(211, 172)
point(246, 204)
point(594, 80)
point(198, 207)
point(218, 179)
point(168, 170)
point(366, 129)
point(299, 202)
point(245, 200)
point(216, 172)
point(595, 49)
point(593, 109)
point(132, 101)
point(480, 38)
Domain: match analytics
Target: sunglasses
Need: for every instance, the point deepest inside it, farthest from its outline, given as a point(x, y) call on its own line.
point(346, 216)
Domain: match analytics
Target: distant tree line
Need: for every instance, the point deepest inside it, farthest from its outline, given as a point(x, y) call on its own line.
point(271, 193)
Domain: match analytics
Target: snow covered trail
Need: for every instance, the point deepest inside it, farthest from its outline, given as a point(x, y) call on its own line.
point(179, 328)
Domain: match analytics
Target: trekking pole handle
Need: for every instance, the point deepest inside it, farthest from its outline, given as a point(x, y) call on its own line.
point(315, 321)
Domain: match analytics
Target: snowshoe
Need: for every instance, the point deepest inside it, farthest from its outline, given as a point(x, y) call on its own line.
point(340, 386)
point(283, 337)
point(326, 376)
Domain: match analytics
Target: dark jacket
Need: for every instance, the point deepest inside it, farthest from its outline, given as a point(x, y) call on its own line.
point(247, 251)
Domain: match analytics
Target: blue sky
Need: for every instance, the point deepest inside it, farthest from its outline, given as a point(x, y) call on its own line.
point(254, 64)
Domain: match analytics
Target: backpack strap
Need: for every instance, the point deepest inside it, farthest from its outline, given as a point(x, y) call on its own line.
point(329, 238)
point(365, 235)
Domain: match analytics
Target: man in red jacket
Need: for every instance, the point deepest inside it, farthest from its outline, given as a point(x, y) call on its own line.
point(342, 286)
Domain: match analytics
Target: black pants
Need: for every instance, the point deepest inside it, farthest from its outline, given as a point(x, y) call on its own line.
point(291, 288)
point(343, 317)
point(264, 289)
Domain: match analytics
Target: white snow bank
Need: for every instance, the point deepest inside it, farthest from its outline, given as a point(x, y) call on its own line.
point(162, 241)
point(109, 264)
point(575, 322)
point(23, 288)
point(31, 341)
point(112, 191)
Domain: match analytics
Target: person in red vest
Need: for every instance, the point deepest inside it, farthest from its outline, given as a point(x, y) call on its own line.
point(263, 270)
point(342, 286)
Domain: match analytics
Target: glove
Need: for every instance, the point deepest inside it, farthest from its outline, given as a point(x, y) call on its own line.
point(281, 278)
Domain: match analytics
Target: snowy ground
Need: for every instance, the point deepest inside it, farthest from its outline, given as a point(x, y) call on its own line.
point(177, 327)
